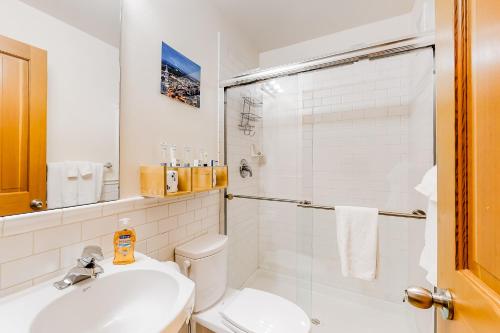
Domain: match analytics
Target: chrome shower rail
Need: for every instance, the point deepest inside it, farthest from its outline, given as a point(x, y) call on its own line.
point(230, 196)
point(370, 51)
point(416, 214)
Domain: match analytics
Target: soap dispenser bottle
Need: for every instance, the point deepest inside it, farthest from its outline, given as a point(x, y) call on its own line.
point(124, 242)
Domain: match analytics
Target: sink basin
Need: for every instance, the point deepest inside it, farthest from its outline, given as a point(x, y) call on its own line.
point(147, 296)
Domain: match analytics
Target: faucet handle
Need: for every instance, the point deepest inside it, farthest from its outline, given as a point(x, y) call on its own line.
point(90, 254)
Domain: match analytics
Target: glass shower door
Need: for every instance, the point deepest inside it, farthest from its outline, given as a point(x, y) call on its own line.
point(371, 141)
point(264, 125)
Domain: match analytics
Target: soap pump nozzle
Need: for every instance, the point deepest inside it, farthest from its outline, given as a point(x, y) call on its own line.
point(124, 223)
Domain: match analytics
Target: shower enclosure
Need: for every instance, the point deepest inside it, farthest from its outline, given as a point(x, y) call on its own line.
point(354, 129)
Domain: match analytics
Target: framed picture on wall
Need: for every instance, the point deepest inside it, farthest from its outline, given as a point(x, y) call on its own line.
point(180, 77)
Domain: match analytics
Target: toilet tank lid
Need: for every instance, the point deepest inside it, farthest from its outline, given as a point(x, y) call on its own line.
point(201, 247)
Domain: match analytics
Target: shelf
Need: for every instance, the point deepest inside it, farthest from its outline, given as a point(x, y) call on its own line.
point(184, 184)
point(202, 179)
point(153, 179)
point(221, 177)
point(190, 180)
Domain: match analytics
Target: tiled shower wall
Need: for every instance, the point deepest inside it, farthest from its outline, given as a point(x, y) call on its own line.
point(281, 176)
point(37, 247)
point(242, 215)
point(370, 147)
point(359, 134)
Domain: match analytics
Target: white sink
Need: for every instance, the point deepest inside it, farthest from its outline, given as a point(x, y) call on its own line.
point(147, 296)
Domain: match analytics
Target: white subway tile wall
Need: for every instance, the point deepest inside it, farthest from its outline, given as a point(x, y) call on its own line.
point(242, 215)
point(359, 134)
point(39, 246)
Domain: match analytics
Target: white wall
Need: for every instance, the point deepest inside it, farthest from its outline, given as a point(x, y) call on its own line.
point(419, 20)
point(83, 85)
point(39, 246)
point(149, 118)
point(356, 37)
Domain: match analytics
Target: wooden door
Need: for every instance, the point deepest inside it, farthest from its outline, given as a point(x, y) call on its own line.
point(468, 152)
point(23, 104)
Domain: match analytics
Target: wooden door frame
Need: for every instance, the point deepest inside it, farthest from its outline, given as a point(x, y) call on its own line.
point(476, 305)
point(37, 171)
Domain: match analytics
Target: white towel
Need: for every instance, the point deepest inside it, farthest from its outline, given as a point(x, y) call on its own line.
point(55, 175)
point(62, 191)
point(428, 258)
point(357, 241)
point(71, 169)
point(85, 168)
point(69, 191)
point(90, 185)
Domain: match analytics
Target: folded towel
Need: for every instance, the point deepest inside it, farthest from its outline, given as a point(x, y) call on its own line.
point(62, 191)
point(55, 175)
point(71, 169)
point(90, 186)
point(85, 169)
point(69, 189)
point(357, 241)
point(428, 257)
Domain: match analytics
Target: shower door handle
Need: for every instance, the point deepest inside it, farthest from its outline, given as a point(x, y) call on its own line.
point(424, 299)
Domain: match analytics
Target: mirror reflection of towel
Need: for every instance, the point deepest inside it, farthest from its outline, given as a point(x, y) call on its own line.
point(66, 191)
point(90, 184)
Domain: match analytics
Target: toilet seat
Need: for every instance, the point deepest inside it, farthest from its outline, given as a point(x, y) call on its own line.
point(256, 311)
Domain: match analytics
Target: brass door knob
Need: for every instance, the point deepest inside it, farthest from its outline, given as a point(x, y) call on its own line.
point(36, 204)
point(424, 299)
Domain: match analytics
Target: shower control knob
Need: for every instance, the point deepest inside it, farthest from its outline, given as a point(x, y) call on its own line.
point(424, 299)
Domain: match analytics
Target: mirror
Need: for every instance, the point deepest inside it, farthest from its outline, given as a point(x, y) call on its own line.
point(68, 154)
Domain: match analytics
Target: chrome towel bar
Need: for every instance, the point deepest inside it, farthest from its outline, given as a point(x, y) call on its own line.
point(416, 214)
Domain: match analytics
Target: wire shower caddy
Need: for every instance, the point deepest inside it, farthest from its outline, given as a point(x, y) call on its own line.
point(249, 115)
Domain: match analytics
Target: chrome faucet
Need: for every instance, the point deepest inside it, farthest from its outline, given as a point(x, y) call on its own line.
point(85, 268)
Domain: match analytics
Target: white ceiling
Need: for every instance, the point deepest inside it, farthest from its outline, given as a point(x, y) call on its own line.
point(277, 23)
point(99, 18)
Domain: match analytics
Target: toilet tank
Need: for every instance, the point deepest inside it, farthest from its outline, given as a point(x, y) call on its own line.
point(204, 260)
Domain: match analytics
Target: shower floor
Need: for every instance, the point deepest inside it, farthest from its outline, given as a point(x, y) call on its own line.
point(338, 310)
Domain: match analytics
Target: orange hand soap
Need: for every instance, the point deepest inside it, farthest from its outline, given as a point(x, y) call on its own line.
point(124, 242)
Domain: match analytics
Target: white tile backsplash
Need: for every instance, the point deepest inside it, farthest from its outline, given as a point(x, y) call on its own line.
point(39, 246)
point(15, 247)
point(19, 271)
point(81, 213)
point(99, 227)
point(157, 213)
point(18, 224)
point(53, 238)
point(177, 208)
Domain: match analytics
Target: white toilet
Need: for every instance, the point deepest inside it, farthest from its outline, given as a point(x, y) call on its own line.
point(204, 260)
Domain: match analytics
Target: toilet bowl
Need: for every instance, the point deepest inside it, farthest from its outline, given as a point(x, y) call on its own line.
point(225, 310)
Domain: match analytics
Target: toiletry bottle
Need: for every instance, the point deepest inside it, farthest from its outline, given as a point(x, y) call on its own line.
point(205, 158)
point(199, 162)
point(164, 158)
point(187, 156)
point(173, 156)
point(124, 242)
